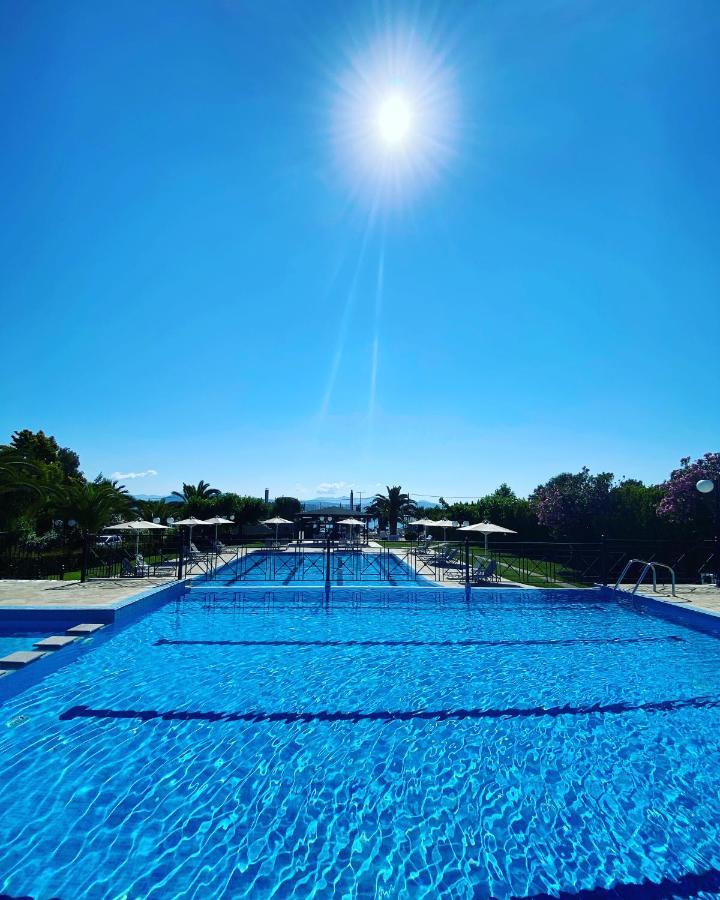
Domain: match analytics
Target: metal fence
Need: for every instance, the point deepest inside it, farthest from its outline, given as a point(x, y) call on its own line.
point(528, 563)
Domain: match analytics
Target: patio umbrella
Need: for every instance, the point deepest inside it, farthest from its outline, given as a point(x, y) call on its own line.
point(423, 522)
point(192, 522)
point(218, 520)
point(276, 521)
point(487, 528)
point(445, 524)
point(137, 527)
point(352, 523)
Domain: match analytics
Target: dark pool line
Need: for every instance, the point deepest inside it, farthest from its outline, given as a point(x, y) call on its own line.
point(689, 885)
point(367, 605)
point(562, 642)
point(385, 715)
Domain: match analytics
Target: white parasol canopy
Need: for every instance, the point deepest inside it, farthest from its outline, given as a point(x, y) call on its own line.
point(445, 524)
point(487, 528)
point(276, 521)
point(137, 527)
point(218, 520)
point(192, 522)
point(351, 523)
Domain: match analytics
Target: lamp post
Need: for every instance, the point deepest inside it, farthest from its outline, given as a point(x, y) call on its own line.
point(708, 486)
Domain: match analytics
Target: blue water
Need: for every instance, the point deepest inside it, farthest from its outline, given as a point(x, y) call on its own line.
point(11, 640)
point(387, 743)
point(346, 569)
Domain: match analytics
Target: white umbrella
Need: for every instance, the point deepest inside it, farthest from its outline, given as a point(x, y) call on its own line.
point(137, 527)
point(445, 524)
point(192, 522)
point(351, 522)
point(487, 528)
point(423, 522)
point(218, 520)
point(276, 521)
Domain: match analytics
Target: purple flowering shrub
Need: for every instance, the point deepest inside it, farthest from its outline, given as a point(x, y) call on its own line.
point(682, 500)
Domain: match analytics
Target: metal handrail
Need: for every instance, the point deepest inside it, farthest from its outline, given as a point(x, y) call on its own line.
point(647, 565)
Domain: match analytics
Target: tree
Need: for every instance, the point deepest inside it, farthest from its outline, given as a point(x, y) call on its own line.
point(38, 447)
point(200, 491)
point(682, 503)
point(574, 506)
point(157, 509)
point(92, 504)
point(392, 506)
point(286, 507)
point(196, 498)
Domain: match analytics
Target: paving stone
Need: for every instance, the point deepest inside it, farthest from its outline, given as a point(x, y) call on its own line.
point(55, 642)
point(19, 659)
point(84, 628)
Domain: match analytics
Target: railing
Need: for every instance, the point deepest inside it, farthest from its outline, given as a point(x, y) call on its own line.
point(648, 566)
point(536, 564)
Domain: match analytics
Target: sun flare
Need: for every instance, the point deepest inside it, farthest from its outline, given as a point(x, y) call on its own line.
point(394, 120)
point(394, 123)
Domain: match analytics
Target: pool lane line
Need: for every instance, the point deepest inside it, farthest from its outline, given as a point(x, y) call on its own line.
point(535, 642)
point(385, 715)
point(688, 885)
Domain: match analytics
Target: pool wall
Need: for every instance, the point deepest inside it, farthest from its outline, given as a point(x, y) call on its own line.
point(680, 613)
point(53, 621)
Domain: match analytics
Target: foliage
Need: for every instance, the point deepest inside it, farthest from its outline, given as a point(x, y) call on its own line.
point(286, 507)
point(196, 499)
point(502, 507)
point(389, 508)
point(573, 506)
point(41, 448)
point(682, 502)
point(158, 509)
point(93, 505)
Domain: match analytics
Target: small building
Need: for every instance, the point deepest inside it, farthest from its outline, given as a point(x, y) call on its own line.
point(316, 524)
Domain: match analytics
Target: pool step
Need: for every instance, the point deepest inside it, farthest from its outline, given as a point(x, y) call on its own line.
point(85, 628)
point(20, 658)
point(55, 642)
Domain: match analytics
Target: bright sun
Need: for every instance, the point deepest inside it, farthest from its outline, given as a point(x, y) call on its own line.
point(394, 120)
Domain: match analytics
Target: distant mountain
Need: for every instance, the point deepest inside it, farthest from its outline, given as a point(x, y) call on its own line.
point(168, 499)
point(320, 502)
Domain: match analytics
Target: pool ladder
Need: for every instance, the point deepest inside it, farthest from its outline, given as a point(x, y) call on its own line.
point(651, 566)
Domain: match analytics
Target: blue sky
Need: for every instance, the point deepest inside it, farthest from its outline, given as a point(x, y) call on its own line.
point(202, 277)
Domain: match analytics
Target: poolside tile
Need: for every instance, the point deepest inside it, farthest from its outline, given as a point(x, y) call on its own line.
point(19, 659)
point(85, 628)
point(55, 642)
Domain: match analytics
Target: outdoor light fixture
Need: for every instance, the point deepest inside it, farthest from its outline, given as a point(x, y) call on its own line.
point(707, 486)
point(156, 520)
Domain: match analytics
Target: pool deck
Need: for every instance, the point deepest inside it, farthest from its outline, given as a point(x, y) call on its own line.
point(702, 597)
point(105, 593)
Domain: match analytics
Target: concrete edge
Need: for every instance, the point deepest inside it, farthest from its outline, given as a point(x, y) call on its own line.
point(678, 612)
point(132, 610)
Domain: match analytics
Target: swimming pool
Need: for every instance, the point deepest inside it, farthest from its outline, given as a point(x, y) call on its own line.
point(311, 567)
point(395, 743)
point(13, 639)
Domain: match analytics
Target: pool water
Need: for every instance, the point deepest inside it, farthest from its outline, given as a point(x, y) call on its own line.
point(346, 569)
point(376, 743)
point(11, 640)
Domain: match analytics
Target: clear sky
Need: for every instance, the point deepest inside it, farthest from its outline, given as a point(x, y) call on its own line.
point(220, 260)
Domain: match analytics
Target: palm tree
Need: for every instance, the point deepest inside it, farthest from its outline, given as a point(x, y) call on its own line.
point(92, 504)
point(18, 474)
point(191, 492)
point(392, 506)
point(156, 509)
